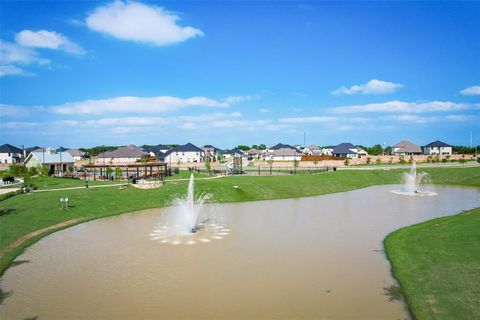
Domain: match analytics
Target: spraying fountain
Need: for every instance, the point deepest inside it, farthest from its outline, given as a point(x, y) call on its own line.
point(189, 221)
point(412, 181)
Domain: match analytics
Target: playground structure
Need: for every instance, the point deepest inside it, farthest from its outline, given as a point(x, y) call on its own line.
point(235, 165)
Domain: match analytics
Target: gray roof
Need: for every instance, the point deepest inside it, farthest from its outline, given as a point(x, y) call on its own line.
point(407, 146)
point(8, 148)
point(313, 147)
point(285, 152)
point(130, 151)
point(282, 146)
point(254, 151)
point(437, 144)
point(52, 157)
point(344, 148)
point(184, 148)
point(76, 153)
point(233, 151)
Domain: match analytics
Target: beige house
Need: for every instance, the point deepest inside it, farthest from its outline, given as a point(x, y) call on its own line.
point(404, 148)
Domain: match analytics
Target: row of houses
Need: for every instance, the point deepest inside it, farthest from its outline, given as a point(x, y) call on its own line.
point(61, 158)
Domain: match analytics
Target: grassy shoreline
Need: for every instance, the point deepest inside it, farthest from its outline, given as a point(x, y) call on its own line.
point(23, 214)
point(437, 266)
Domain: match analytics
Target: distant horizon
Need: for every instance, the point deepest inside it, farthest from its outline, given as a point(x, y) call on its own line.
point(89, 73)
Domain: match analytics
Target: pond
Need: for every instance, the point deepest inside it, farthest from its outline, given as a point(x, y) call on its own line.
point(310, 258)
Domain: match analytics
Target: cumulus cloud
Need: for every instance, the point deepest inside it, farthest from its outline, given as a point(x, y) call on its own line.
point(471, 91)
point(128, 20)
point(139, 105)
point(406, 107)
point(373, 86)
point(12, 53)
point(7, 110)
point(47, 40)
point(10, 70)
point(312, 119)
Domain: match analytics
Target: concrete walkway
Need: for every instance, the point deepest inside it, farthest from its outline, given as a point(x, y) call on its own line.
point(74, 188)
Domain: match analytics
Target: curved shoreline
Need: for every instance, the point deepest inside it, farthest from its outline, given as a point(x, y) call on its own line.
point(336, 185)
point(385, 187)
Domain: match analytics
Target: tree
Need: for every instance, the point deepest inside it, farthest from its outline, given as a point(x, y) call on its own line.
point(376, 150)
point(368, 160)
point(109, 172)
point(43, 172)
point(401, 159)
point(208, 165)
point(118, 172)
point(242, 147)
point(346, 162)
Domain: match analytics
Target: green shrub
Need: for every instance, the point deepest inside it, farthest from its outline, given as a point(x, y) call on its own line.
point(10, 194)
point(378, 161)
point(346, 162)
point(402, 160)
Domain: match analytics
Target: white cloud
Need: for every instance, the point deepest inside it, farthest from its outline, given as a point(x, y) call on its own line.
point(48, 40)
point(12, 53)
point(11, 70)
point(7, 110)
point(139, 105)
point(471, 91)
point(136, 21)
point(188, 126)
point(263, 110)
point(406, 107)
point(373, 86)
point(313, 119)
point(236, 115)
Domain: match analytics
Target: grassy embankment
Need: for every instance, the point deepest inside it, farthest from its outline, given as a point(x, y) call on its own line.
point(26, 213)
point(437, 264)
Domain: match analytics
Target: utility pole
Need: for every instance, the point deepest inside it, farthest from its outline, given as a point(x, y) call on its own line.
point(61, 164)
point(304, 139)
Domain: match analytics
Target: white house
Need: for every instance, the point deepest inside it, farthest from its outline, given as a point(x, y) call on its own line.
point(438, 147)
point(228, 154)
point(185, 154)
point(10, 154)
point(312, 150)
point(327, 151)
point(56, 161)
point(284, 154)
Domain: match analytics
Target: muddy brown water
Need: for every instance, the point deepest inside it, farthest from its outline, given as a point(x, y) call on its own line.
point(309, 258)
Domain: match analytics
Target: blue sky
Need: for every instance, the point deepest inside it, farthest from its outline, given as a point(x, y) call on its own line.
point(83, 73)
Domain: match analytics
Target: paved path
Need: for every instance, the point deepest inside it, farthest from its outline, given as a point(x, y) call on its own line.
point(7, 190)
point(74, 188)
point(30, 235)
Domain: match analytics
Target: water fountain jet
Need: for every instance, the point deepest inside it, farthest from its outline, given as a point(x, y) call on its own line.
point(183, 220)
point(412, 181)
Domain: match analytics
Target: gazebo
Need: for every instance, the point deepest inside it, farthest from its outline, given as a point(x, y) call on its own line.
point(130, 170)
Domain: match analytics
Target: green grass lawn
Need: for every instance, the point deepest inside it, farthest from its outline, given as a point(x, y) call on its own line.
point(57, 183)
point(437, 264)
point(25, 213)
point(185, 174)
